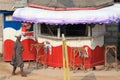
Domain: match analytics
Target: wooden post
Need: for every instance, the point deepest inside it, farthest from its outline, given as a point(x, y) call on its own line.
point(58, 32)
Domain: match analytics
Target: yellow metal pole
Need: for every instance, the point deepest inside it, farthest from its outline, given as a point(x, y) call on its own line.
point(63, 51)
point(65, 59)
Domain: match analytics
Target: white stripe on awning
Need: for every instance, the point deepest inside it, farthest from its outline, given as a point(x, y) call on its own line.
point(104, 15)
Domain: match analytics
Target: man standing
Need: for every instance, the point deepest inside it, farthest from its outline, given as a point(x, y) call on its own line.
point(17, 60)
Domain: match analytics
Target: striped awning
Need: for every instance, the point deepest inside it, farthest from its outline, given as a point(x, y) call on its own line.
point(35, 15)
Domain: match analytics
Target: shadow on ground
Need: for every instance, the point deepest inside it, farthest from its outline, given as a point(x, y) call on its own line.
point(89, 77)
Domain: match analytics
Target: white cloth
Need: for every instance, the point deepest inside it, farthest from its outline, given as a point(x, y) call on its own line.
point(48, 47)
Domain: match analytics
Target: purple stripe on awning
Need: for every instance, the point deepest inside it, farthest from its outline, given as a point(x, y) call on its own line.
point(34, 15)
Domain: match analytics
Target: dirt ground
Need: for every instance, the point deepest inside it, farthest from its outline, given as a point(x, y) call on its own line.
point(51, 73)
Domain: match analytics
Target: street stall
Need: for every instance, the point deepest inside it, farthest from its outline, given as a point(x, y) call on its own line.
point(82, 28)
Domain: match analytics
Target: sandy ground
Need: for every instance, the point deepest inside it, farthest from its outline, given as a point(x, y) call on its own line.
point(51, 73)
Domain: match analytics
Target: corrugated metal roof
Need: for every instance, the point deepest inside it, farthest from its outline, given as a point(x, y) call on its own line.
point(70, 3)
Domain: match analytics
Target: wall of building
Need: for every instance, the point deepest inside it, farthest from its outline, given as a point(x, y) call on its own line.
point(111, 36)
point(1, 32)
point(12, 4)
point(6, 4)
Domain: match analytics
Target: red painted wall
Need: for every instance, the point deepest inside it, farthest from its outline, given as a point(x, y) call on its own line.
point(95, 57)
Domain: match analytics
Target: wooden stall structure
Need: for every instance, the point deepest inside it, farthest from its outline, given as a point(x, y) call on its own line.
point(84, 25)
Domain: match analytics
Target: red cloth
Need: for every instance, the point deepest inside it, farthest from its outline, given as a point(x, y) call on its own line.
point(23, 28)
